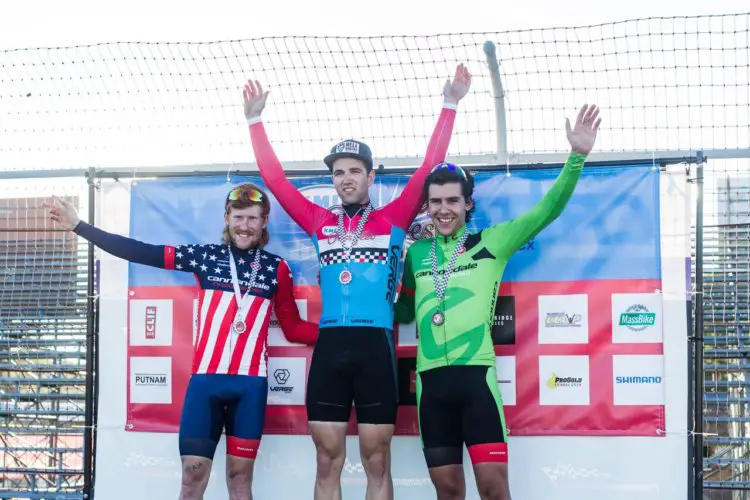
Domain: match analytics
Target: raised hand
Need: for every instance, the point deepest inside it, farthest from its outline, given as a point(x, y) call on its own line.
point(255, 99)
point(455, 91)
point(583, 135)
point(63, 212)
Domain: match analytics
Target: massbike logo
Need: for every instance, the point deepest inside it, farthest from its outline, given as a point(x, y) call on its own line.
point(637, 318)
point(562, 320)
point(554, 381)
point(281, 375)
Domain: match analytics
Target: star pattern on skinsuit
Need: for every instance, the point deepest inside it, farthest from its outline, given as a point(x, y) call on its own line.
point(208, 260)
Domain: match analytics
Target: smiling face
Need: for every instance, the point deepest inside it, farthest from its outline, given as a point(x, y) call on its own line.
point(246, 226)
point(447, 207)
point(352, 180)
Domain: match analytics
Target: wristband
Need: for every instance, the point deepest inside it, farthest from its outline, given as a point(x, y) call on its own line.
point(450, 105)
point(253, 120)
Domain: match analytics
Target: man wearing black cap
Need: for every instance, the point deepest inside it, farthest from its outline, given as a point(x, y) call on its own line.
point(359, 251)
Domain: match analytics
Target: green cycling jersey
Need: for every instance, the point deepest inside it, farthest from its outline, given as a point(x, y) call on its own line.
point(464, 337)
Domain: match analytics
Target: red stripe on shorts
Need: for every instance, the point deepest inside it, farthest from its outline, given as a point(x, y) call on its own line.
point(488, 452)
point(243, 448)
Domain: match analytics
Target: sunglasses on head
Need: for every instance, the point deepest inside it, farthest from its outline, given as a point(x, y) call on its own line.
point(451, 167)
point(246, 194)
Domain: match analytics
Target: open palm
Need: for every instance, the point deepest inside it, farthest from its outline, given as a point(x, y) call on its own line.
point(455, 90)
point(254, 99)
point(583, 135)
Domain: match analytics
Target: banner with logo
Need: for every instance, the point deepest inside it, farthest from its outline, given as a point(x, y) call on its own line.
point(577, 326)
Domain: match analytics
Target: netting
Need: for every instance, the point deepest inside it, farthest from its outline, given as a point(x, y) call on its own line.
point(664, 84)
point(43, 279)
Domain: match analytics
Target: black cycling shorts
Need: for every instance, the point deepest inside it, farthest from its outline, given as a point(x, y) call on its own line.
point(353, 365)
point(461, 405)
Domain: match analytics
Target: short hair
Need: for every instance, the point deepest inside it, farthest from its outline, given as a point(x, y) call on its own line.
point(448, 173)
point(245, 196)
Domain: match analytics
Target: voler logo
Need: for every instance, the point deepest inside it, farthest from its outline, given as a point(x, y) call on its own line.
point(554, 381)
point(637, 318)
point(563, 320)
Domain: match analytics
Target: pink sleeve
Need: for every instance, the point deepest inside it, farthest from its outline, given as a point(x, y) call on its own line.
point(305, 213)
point(402, 211)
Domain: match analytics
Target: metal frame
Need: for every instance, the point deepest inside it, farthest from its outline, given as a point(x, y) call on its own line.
point(92, 329)
point(697, 340)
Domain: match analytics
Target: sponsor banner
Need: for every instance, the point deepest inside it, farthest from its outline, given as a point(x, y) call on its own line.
point(151, 380)
point(286, 381)
point(572, 299)
point(150, 322)
point(563, 319)
point(504, 321)
point(638, 380)
point(564, 380)
point(506, 378)
point(636, 318)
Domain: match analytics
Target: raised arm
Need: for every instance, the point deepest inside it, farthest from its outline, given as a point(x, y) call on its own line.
point(305, 213)
point(405, 207)
point(295, 329)
point(64, 213)
point(505, 238)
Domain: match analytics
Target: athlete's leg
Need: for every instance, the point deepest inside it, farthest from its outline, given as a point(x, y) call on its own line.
point(375, 452)
point(200, 430)
point(440, 431)
point(245, 419)
point(376, 401)
point(329, 403)
point(484, 429)
point(330, 452)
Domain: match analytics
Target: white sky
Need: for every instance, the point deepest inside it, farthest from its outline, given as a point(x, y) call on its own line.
point(35, 23)
point(180, 128)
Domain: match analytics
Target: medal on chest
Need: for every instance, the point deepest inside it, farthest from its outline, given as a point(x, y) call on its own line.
point(441, 281)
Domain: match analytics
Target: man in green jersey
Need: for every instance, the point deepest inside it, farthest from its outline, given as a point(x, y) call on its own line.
point(450, 286)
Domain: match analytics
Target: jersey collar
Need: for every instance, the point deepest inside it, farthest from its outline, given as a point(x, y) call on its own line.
point(451, 239)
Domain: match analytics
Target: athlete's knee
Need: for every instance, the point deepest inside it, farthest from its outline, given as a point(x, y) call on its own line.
point(330, 462)
point(376, 462)
point(449, 487)
point(239, 482)
point(492, 481)
point(195, 474)
point(493, 490)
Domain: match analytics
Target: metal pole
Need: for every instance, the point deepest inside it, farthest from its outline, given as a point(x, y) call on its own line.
point(698, 344)
point(499, 95)
point(90, 353)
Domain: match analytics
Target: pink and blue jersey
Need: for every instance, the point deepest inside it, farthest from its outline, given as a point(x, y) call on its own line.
point(368, 300)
